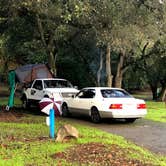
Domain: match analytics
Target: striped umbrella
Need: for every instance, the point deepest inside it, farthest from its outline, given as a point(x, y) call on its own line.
point(48, 103)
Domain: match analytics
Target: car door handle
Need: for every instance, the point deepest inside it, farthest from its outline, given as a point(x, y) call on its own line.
point(33, 92)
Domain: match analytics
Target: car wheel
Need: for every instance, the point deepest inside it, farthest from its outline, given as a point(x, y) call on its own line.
point(25, 103)
point(65, 110)
point(95, 116)
point(130, 120)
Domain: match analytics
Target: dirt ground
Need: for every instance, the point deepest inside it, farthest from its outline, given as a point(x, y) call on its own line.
point(97, 154)
point(88, 154)
point(9, 116)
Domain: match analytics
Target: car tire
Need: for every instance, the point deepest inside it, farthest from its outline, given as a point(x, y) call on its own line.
point(65, 110)
point(95, 116)
point(25, 103)
point(130, 120)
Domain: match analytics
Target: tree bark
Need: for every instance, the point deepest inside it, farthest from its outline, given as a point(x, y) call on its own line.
point(162, 95)
point(48, 47)
point(154, 92)
point(41, 31)
point(118, 81)
point(108, 66)
point(52, 56)
point(51, 63)
point(119, 73)
point(100, 69)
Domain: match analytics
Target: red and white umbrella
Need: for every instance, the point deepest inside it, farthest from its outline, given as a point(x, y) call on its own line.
point(50, 103)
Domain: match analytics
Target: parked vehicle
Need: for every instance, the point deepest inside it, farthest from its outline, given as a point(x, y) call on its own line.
point(47, 87)
point(104, 102)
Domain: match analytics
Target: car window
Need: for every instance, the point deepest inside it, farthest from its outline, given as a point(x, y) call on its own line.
point(111, 93)
point(86, 93)
point(38, 85)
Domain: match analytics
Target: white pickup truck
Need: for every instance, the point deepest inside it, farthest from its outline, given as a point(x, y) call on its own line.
point(48, 87)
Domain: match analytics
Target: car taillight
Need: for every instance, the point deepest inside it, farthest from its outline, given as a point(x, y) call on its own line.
point(141, 106)
point(115, 106)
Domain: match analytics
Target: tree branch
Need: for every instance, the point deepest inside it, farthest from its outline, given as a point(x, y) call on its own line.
point(41, 31)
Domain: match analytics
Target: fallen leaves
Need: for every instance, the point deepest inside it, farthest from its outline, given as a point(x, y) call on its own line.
point(97, 154)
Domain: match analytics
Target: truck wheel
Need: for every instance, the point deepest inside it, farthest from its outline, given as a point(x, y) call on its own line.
point(25, 103)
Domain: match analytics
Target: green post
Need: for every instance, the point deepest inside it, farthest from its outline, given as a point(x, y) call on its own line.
point(11, 79)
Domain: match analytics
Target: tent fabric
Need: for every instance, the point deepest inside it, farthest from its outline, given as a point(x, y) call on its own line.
point(28, 73)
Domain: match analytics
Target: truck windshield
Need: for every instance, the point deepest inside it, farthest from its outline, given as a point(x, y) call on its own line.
point(57, 84)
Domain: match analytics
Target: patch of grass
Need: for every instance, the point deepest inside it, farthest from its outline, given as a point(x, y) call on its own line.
point(4, 101)
point(21, 144)
point(156, 111)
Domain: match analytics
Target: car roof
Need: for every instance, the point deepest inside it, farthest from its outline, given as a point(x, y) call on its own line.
point(100, 88)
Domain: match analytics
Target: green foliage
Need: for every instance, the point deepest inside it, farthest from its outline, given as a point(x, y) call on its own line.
point(139, 82)
point(78, 55)
point(63, 32)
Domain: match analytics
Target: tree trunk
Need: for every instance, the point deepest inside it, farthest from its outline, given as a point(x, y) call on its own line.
point(100, 68)
point(118, 81)
point(154, 92)
point(162, 95)
point(52, 54)
point(108, 66)
point(51, 64)
point(119, 73)
point(48, 47)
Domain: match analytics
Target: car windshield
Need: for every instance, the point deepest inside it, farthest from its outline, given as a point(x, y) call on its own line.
point(111, 93)
point(57, 84)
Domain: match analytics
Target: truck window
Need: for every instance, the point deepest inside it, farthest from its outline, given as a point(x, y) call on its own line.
point(38, 85)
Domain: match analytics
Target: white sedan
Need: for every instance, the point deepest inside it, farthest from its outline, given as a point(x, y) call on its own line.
point(104, 102)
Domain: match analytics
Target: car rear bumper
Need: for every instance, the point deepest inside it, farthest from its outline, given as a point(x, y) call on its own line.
point(123, 114)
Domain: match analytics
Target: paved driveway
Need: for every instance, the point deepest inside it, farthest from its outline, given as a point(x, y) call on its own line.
point(151, 135)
